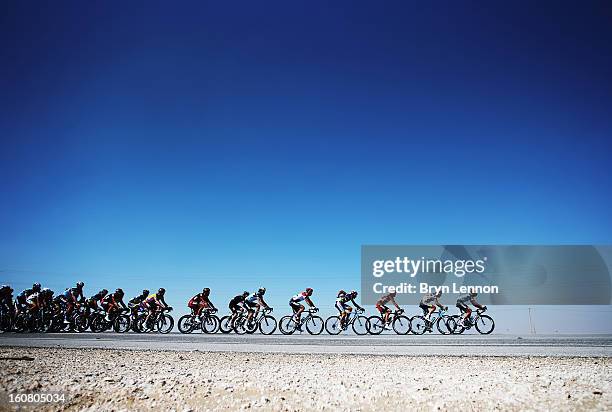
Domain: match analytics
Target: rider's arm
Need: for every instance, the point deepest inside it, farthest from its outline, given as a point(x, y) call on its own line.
point(307, 300)
point(263, 302)
point(356, 304)
point(478, 305)
point(122, 304)
point(162, 302)
point(395, 303)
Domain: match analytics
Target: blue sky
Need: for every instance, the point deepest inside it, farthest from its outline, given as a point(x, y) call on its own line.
point(238, 145)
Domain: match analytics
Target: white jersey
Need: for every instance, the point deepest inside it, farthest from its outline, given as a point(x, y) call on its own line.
point(429, 299)
point(299, 297)
point(465, 299)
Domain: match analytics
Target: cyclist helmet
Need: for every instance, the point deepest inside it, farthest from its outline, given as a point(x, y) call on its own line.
point(262, 291)
point(245, 293)
point(354, 293)
point(80, 285)
point(473, 294)
point(119, 292)
point(393, 294)
point(206, 291)
point(104, 292)
point(438, 293)
point(309, 291)
point(36, 287)
point(161, 291)
point(145, 292)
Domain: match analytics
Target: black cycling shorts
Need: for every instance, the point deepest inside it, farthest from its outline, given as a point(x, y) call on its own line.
point(295, 305)
point(462, 307)
point(425, 308)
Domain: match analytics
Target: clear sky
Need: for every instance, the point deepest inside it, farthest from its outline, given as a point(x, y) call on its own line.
point(247, 144)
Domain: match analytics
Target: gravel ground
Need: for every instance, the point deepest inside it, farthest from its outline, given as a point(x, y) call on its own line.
point(99, 379)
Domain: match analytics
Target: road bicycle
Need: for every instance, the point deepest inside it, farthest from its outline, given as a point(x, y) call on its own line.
point(158, 321)
point(262, 320)
point(28, 321)
point(355, 319)
point(207, 322)
point(7, 318)
point(439, 318)
point(314, 324)
point(118, 320)
point(484, 324)
point(399, 323)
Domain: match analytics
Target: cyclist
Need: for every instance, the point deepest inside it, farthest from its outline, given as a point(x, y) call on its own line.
point(429, 302)
point(199, 302)
point(462, 304)
point(137, 302)
point(47, 297)
point(6, 298)
point(206, 303)
point(74, 297)
point(92, 302)
point(256, 301)
point(297, 307)
point(155, 303)
point(34, 301)
point(342, 304)
point(112, 302)
point(382, 307)
point(20, 302)
point(236, 305)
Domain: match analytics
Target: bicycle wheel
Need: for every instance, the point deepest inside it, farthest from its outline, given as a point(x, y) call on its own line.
point(315, 325)
point(332, 325)
point(442, 325)
point(239, 325)
point(225, 324)
point(80, 323)
point(287, 325)
point(401, 325)
point(185, 324)
point(360, 325)
point(121, 324)
point(375, 325)
point(6, 324)
point(251, 326)
point(418, 325)
point(210, 324)
point(267, 324)
point(455, 324)
point(485, 324)
point(165, 323)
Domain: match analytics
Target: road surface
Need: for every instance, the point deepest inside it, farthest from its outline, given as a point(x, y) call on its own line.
point(492, 345)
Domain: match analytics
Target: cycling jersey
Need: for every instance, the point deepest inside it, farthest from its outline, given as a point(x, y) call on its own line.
point(33, 298)
point(138, 299)
point(349, 297)
point(236, 300)
point(385, 299)
point(97, 297)
point(465, 299)
point(110, 300)
point(254, 298)
point(429, 299)
point(299, 297)
point(154, 298)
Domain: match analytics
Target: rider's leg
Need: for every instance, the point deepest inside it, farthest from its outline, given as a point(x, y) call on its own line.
point(431, 310)
point(298, 314)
